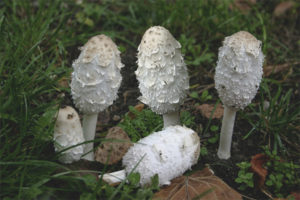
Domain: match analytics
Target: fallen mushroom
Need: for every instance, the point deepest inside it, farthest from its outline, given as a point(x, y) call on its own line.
point(168, 153)
point(95, 83)
point(238, 75)
point(67, 133)
point(162, 74)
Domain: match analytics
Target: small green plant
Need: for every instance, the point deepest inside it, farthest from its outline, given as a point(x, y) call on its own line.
point(205, 96)
point(283, 176)
point(215, 138)
point(187, 119)
point(245, 177)
point(195, 53)
point(97, 189)
point(144, 123)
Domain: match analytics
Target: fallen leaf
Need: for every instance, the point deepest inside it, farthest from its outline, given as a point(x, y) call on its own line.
point(283, 7)
point(206, 110)
point(257, 166)
point(201, 184)
point(242, 5)
point(138, 107)
point(274, 69)
point(111, 152)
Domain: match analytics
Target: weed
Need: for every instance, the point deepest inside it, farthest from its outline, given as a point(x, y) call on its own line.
point(278, 120)
point(205, 96)
point(143, 123)
point(146, 122)
point(245, 177)
point(283, 176)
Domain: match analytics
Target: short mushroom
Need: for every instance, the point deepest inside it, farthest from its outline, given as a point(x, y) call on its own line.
point(68, 133)
point(168, 153)
point(238, 75)
point(162, 74)
point(95, 83)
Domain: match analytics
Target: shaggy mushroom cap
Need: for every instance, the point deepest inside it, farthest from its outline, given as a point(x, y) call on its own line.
point(239, 70)
point(96, 77)
point(168, 153)
point(68, 132)
point(162, 73)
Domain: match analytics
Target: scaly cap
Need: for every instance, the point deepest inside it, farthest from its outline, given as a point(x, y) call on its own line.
point(96, 77)
point(239, 70)
point(162, 73)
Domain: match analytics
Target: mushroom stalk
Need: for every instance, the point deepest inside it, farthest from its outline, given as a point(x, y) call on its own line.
point(226, 133)
point(171, 119)
point(114, 177)
point(89, 128)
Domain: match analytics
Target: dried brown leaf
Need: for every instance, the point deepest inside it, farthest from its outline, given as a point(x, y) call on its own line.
point(283, 7)
point(206, 110)
point(243, 5)
point(202, 184)
point(257, 166)
point(138, 107)
point(111, 152)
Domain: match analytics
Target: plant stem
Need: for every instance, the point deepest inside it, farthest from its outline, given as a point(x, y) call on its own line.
point(226, 133)
point(171, 119)
point(89, 128)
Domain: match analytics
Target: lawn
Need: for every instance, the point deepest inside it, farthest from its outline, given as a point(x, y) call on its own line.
point(40, 40)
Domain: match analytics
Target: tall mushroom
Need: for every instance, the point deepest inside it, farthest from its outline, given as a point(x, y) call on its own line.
point(67, 133)
point(162, 74)
point(95, 83)
point(238, 75)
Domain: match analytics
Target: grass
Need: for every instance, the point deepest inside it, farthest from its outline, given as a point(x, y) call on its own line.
point(39, 40)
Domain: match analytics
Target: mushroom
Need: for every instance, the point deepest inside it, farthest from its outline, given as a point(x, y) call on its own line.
point(67, 133)
point(168, 153)
point(162, 74)
point(95, 83)
point(238, 75)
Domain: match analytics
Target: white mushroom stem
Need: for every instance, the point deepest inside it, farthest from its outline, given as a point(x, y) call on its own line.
point(171, 119)
point(89, 128)
point(226, 133)
point(114, 177)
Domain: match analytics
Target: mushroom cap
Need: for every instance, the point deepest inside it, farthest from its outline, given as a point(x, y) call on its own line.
point(168, 153)
point(162, 73)
point(68, 132)
point(239, 70)
point(96, 78)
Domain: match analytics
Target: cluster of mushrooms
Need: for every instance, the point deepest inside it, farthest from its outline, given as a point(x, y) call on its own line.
point(163, 83)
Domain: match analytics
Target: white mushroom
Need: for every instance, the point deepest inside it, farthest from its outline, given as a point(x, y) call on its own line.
point(162, 74)
point(95, 83)
point(238, 75)
point(67, 133)
point(168, 153)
